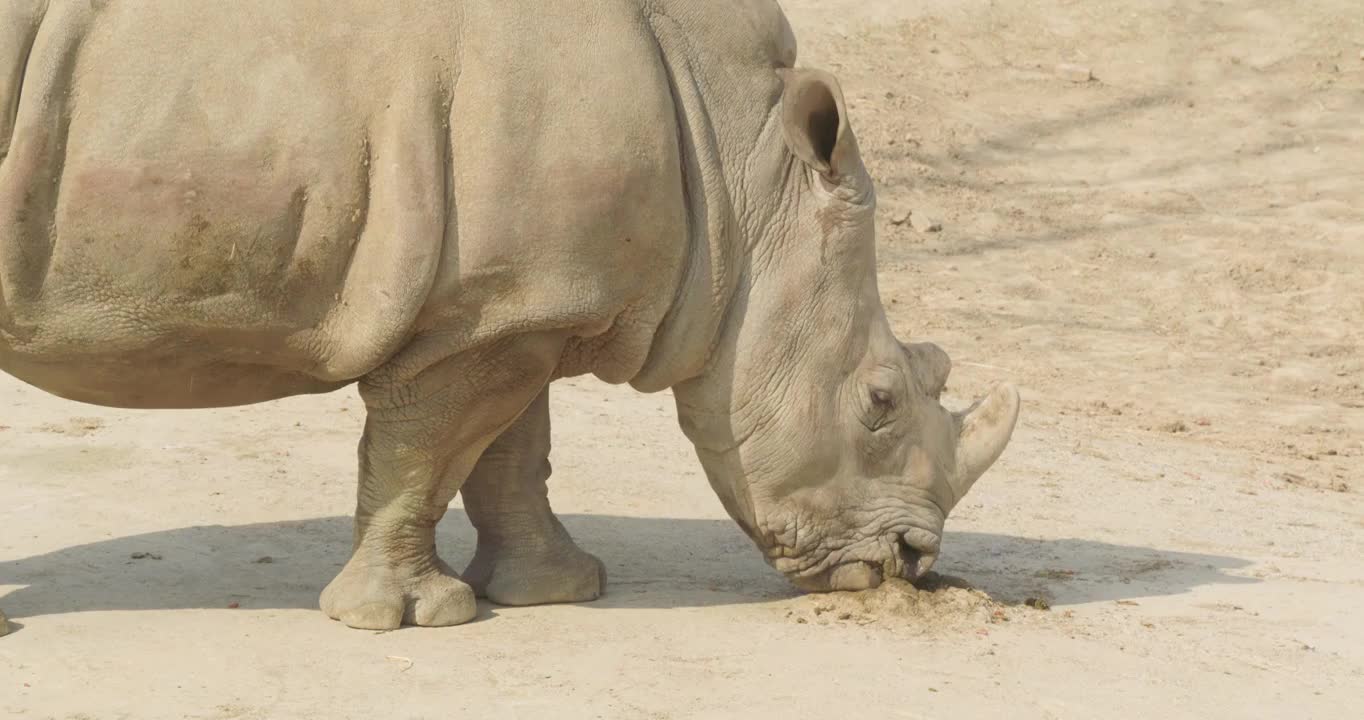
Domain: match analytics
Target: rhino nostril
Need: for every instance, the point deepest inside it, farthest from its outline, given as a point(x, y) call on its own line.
point(915, 562)
point(908, 555)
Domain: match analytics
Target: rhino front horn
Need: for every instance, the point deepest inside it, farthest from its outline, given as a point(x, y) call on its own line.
point(985, 430)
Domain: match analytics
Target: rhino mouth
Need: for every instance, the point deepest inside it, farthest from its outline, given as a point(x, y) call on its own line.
point(911, 556)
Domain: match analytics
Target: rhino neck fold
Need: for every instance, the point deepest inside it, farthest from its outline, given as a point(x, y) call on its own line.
point(686, 338)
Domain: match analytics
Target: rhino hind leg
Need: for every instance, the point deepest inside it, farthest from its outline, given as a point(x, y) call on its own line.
point(427, 426)
point(524, 555)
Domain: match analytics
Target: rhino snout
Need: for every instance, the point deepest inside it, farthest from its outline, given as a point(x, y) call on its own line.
point(910, 556)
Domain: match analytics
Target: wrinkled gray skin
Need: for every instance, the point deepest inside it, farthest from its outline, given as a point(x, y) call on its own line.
point(452, 204)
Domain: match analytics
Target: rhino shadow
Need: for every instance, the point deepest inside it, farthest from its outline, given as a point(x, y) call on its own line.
point(651, 562)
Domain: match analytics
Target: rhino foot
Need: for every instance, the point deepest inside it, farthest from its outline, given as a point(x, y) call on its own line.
point(367, 597)
point(562, 573)
point(524, 554)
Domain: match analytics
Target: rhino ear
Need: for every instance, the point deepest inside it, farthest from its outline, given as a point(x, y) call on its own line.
point(815, 121)
point(931, 365)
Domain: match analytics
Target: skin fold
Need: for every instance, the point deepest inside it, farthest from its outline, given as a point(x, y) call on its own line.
point(452, 204)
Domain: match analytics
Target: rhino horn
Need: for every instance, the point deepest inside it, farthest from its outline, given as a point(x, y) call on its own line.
point(985, 430)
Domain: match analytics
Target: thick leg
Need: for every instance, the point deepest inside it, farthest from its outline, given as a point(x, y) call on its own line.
point(428, 424)
point(524, 556)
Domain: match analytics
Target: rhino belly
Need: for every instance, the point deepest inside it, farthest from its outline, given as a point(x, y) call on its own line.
point(153, 284)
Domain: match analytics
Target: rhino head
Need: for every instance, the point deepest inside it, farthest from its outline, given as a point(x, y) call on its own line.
point(821, 432)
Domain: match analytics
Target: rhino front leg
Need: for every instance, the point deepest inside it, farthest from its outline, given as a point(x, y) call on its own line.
point(426, 428)
point(524, 556)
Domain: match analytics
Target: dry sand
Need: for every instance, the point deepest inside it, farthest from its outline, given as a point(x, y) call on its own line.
point(1166, 258)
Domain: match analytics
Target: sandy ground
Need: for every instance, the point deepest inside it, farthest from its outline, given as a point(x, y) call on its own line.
point(1166, 259)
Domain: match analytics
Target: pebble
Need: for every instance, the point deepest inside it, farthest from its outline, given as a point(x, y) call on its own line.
point(924, 223)
point(1074, 73)
point(900, 218)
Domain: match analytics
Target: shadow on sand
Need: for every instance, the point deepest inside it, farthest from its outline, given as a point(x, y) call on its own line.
point(652, 563)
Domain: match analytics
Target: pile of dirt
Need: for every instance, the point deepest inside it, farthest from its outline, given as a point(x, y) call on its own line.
point(935, 602)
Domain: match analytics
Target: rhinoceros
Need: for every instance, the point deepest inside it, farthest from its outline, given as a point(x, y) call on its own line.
point(451, 204)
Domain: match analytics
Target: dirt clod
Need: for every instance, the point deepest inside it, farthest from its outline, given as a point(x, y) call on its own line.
point(1074, 73)
point(1332, 484)
point(923, 223)
point(145, 556)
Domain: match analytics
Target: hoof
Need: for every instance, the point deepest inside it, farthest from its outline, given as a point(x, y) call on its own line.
point(566, 577)
point(376, 598)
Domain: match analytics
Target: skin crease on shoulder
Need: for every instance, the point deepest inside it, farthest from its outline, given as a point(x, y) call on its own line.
point(452, 204)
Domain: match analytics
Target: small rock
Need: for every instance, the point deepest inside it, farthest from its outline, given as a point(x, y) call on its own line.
point(1293, 478)
point(1074, 73)
point(233, 605)
point(264, 560)
point(1037, 603)
point(900, 218)
point(923, 223)
point(145, 556)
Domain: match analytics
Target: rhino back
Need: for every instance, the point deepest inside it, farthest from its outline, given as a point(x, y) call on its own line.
point(252, 193)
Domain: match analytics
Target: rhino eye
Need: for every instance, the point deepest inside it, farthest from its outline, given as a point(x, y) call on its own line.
point(880, 409)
